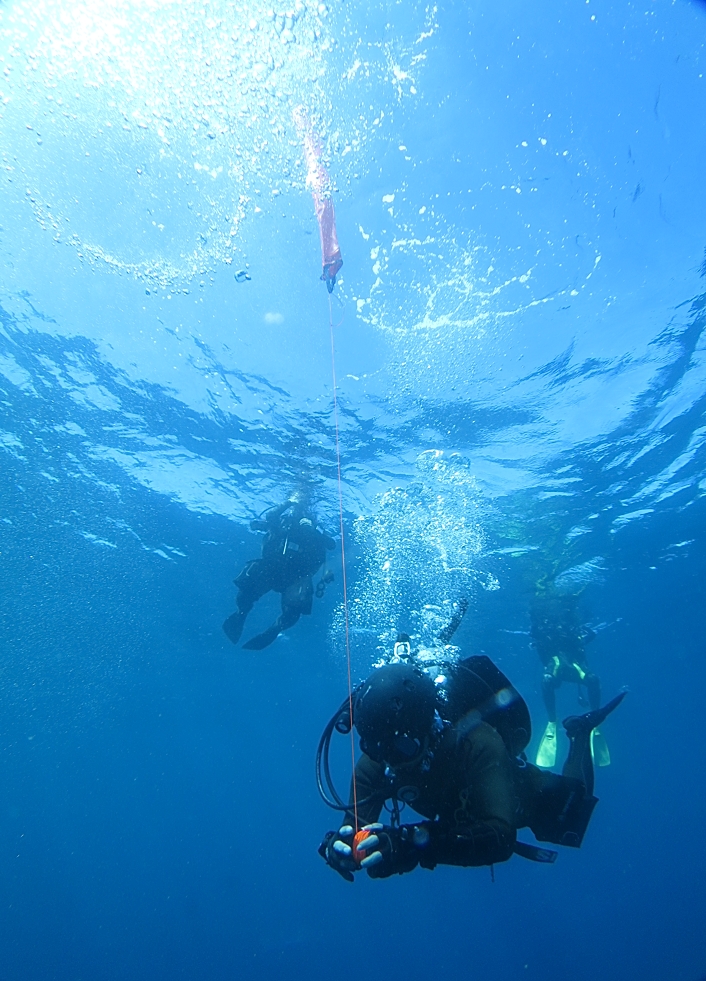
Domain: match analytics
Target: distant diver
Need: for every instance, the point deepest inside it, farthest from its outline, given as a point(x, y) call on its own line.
point(559, 639)
point(292, 552)
point(451, 745)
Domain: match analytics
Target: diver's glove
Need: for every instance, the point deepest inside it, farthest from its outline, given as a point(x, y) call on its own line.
point(347, 851)
point(396, 850)
point(337, 851)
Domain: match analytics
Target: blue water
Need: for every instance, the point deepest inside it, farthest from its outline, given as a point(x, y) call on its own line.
point(519, 337)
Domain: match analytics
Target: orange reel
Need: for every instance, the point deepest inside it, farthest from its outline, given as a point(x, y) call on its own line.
point(358, 838)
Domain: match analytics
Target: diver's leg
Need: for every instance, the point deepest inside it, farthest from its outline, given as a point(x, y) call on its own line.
point(233, 626)
point(579, 762)
point(252, 585)
point(288, 618)
point(253, 582)
point(593, 687)
point(296, 599)
point(294, 603)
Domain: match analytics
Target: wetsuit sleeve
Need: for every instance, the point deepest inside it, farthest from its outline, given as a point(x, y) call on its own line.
point(482, 831)
point(370, 792)
point(271, 519)
point(455, 622)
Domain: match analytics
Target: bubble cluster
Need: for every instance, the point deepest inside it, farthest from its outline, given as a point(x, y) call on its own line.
point(421, 550)
point(435, 291)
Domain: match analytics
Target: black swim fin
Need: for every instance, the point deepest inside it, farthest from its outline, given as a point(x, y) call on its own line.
point(263, 640)
point(576, 724)
point(233, 626)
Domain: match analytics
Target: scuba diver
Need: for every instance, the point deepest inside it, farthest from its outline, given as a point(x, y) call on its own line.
point(292, 552)
point(451, 746)
point(559, 638)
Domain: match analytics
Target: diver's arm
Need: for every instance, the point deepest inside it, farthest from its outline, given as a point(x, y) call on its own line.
point(484, 836)
point(455, 622)
point(484, 843)
point(588, 634)
point(275, 513)
point(270, 518)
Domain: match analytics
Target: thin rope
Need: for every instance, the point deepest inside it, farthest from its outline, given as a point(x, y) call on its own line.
point(343, 556)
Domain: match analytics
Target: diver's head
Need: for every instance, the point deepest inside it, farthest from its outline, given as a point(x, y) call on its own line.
point(394, 713)
point(301, 498)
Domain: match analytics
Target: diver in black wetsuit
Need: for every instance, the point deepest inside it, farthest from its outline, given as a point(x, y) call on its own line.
point(559, 639)
point(292, 553)
point(453, 749)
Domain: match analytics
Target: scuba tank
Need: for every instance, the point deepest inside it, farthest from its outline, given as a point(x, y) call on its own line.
point(475, 690)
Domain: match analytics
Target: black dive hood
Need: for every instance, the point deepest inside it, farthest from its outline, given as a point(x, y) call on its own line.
point(394, 712)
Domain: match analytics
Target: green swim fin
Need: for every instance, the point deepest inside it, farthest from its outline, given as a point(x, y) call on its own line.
point(546, 754)
point(599, 749)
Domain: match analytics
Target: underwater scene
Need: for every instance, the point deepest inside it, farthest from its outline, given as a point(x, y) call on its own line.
point(352, 490)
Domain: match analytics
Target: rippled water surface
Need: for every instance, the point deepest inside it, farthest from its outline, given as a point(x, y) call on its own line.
point(521, 380)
